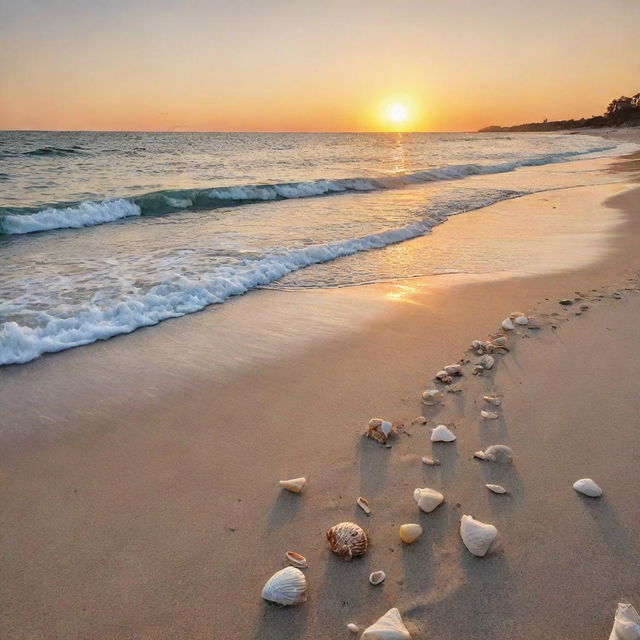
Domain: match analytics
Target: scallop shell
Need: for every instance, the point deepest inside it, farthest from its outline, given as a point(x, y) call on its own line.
point(494, 400)
point(496, 488)
point(295, 485)
point(354, 628)
point(489, 415)
point(454, 369)
point(487, 362)
point(522, 320)
point(347, 540)
point(428, 499)
point(442, 434)
point(388, 627)
point(431, 397)
point(410, 532)
point(477, 536)
point(507, 325)
point(377, 577)
point(433, 462)
point(495, 453)
point(626, 623)
point(587, 487)
point(363, 503)
point(296, 560)
point(287, 586)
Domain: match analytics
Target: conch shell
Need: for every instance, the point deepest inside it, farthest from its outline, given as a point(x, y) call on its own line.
point(428, 499)
point(442, 434)
point(295, 485)
point(587, 487)
point(287, 586)
point(388, 627)
point(495, 453)
point(347, 540)
point(477, 536)
point(626, 623)
point(410, 532)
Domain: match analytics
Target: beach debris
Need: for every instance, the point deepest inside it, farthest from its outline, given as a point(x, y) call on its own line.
point(295, 485)
point(626, 623)
point(347, 540)
point(617, 295)
point(487, 362)
point(377, 577)
point(363, 503)
point(379, 430)
point(477, 536)
point(494, 400)
point(388, 627)
point(516, 314)
point(287, 587)
point(496, 488)
point(522, 320)
point(507, 325)
point(587, 487)
point(354, 628)
point(489, 415)
point(454, 369)
point(296, 560)
point(500, 341)
point(410, 532)
point(431, 397)
point(566, 302)
point(432, 462)
point(442, 434)
point(419, 420)
point(444, 377)
point(428, 499)
point(495, 453)
point(480, 347)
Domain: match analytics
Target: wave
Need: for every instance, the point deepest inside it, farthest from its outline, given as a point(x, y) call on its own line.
point(54, 151)
point(14, 220)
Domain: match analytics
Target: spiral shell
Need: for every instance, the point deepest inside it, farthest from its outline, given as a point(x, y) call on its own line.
point(347, 540)
point(287, 586)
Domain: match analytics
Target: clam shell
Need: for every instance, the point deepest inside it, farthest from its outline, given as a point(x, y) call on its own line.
point(377, 577)
point(431, 397)
point(388, 627)
point(363, 503)
point(287, 586)
point(454, 369)
point(522, 320)
point(477, 536)
point(496, 488)
point(347, 540)
point(587, 487)
point(507, 325)
point(354, 628)
point(295, 485)
point(427, 499)
point(442, 434)
point(487, 362)
point(433, 462)
point(495, 453)
point(626, 623)
point(489, 415)
point(494, 400)
point(500, 341)
point(444, 377)
point(410, 532)
point(296, 560)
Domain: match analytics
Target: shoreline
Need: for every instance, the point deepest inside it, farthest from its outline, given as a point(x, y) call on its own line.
point(166, 491)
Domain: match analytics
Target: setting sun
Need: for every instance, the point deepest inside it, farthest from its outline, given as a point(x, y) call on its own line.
point(398, 113)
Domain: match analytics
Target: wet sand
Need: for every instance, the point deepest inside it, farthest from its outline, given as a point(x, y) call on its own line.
point(139, 477)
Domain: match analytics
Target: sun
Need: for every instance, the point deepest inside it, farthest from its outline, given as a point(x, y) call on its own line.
point(398, 113)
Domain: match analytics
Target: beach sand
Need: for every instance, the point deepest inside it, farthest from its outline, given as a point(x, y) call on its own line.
point(140, 492)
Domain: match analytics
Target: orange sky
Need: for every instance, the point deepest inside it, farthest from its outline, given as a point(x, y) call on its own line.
point(285, 65)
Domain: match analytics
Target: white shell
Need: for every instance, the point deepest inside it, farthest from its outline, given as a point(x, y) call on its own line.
point(433, 462)
point(354, 628)
point(386, 427)
point(428, 499)
point(410, 532)
point(287, 586)
point(442, 434)
point(388, 627)
point(587, 487)
point(495, 453)
point(377, 577)
point(496, 488)
point(431, 397)
point(454, 369)
point(494, 400)
point(487, 362)
point(295, 485)
point(626, 623)
point(489, 415)
point(477, 536)
point(522, 320)
point(507, 325)
point(363, 503)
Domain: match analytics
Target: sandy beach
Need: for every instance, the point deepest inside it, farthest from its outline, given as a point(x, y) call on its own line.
point(139, 476)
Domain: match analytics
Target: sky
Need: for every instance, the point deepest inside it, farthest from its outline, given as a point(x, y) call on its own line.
point(298, 65)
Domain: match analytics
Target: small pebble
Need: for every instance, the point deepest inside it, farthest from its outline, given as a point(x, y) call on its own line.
point(566, 302)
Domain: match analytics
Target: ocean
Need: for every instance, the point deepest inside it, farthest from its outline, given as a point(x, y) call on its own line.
point(103, 233)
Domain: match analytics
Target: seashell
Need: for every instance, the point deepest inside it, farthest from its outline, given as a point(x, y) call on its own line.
point(434, 462)
point(476, 344)
point(494, 400)
point(444, 377)
point(379, 430)
point(296, 560)
point(500, 341)
point(431, 397)
point(489, 415)
point(428, 499)
point(354, 628)
point(522, 320)
point(347, 540)
point(287, 586)
point(442, 434)
point(587, 487)
point(495, 453)
point(626, 623)
point(377, 577)
point(419, 420)
point(410, 532)
point(515, 314)
point(386, 427)
point(507, 325)
point(375, 422)
point(296, 485)
point(388, 627)
point(487, 362)
point(478, 370)
point(363, 503)
point(496, 488)
point(477, 536)
point(454, 369)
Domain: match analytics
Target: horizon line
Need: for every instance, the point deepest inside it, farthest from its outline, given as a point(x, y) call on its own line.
point(204, 131)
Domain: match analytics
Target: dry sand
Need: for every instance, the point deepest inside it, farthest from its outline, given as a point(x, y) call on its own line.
point(141, 502)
